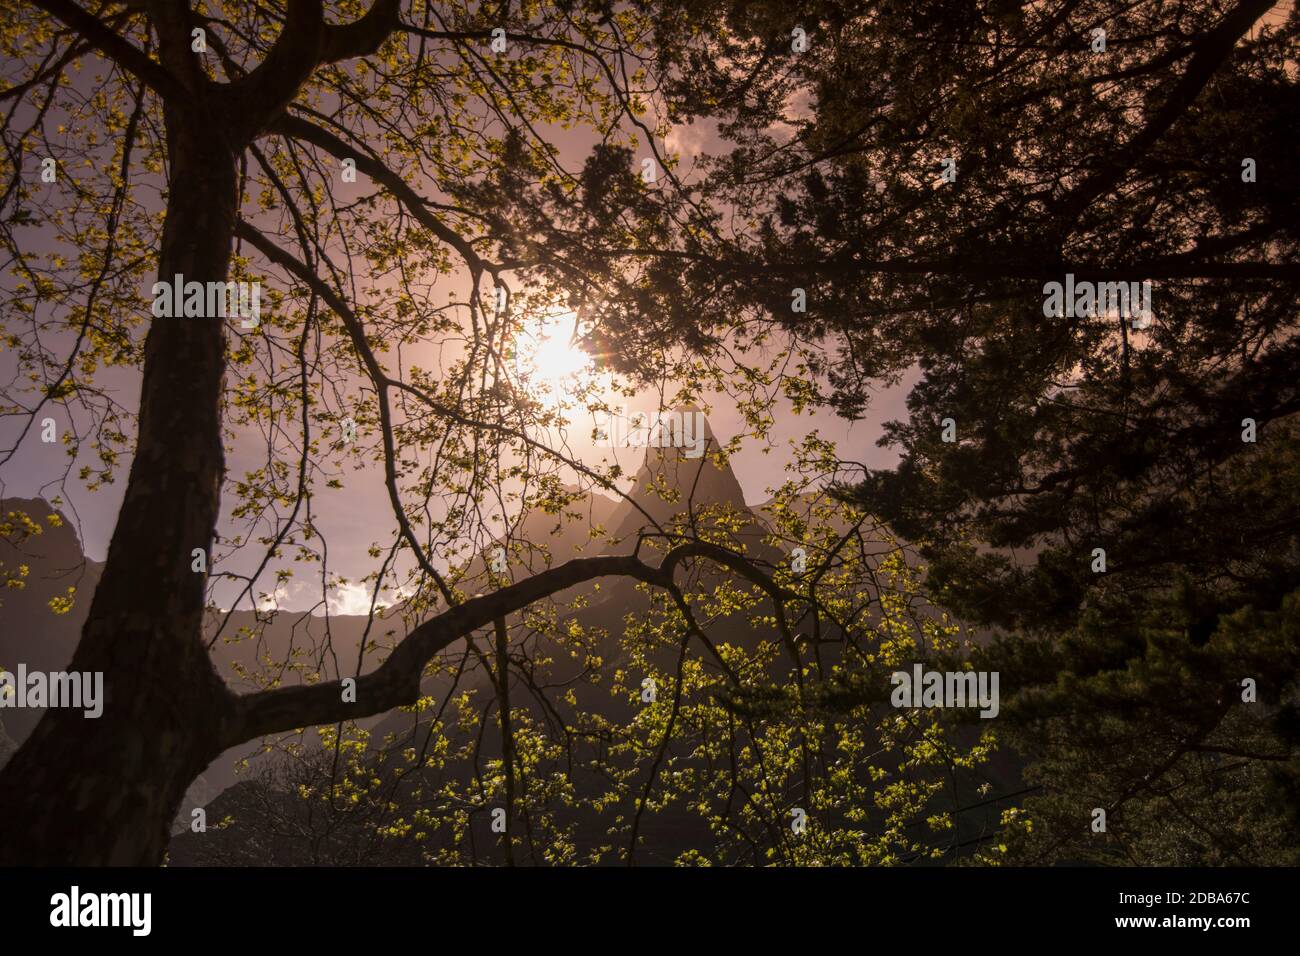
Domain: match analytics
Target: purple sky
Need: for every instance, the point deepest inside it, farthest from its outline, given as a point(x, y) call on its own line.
point(355, 518)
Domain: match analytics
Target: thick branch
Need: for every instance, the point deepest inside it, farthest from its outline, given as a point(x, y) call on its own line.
point(306, 42)
point(172, 23)
point(107, 41)
point(397, 681)
point(361, 37)
point(267, 90)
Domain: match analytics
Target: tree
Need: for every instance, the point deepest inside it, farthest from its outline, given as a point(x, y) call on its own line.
point(898, 194)
point(706, 724)
point(250, 122)
point(1088, 482)
point(357, 166)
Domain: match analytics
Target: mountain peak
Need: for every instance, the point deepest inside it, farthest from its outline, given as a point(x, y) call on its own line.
point(681, 474)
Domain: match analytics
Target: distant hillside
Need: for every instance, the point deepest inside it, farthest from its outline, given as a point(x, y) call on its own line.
point(692, 487)
point(670, 490)
point(30, 632)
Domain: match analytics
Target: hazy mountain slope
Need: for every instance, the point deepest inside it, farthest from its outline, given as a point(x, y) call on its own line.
point(669, 489)
point(30, 632)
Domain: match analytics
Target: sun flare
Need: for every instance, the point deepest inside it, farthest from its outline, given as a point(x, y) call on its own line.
point(549, 360)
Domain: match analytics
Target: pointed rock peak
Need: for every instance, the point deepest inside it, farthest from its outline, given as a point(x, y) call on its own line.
point(677, 434)
point(679, 474)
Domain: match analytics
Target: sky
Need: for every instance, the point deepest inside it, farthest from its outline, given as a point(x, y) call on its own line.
point(361, 515)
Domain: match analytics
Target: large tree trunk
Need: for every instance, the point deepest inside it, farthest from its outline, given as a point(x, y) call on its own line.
point(105, 791)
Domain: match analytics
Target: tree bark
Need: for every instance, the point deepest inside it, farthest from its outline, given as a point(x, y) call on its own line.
point(99, 791)
point(105, 791)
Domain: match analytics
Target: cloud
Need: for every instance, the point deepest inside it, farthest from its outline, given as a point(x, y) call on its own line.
point(350, 599)
point(354, 598)
point(691, 139)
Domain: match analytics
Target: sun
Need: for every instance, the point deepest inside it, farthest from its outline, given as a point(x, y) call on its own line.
point(558, 360)
point(549, 360)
